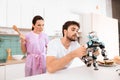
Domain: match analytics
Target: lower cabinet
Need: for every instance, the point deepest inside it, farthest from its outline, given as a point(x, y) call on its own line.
point(2, 72)
point(15, 71)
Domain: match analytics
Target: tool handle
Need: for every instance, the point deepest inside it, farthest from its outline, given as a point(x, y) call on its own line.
point(16, 29)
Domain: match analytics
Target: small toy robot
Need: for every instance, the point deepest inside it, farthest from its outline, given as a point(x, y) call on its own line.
point(92, 46)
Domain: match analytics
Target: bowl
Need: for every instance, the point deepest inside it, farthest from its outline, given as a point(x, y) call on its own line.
point(17, 57)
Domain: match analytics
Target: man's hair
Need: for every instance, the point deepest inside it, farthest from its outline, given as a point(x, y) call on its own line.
point(69, 23)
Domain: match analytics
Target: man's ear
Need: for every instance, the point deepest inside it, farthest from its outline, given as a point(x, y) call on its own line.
point(65, 31)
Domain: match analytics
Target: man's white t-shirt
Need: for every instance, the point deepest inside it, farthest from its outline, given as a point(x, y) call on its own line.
point(56, 48)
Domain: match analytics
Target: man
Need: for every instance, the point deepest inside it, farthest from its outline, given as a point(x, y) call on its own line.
point(60, 52)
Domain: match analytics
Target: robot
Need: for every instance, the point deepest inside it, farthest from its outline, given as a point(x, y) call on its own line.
point(93, 45)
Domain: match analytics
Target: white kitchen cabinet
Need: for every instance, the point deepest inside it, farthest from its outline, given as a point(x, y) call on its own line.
point(15, 71)
point(2, 72)
point(106, 28)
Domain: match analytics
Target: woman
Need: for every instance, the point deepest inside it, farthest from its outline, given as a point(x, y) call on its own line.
point(34, 45)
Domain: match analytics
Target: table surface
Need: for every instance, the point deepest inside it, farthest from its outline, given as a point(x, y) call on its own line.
point(80, 73)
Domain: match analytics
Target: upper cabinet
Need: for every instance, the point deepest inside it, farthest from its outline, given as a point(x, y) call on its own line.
point(54, 12)
point(13, 13)
point(3, 9)
point(106, 28)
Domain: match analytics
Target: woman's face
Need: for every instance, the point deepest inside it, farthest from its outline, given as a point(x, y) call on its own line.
point(39, 25)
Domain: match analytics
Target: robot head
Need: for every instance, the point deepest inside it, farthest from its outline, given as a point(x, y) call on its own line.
point(93, 36)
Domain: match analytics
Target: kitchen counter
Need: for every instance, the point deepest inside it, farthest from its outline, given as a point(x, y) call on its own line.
point(9, 62)
point(12, 69)
point(80, 73)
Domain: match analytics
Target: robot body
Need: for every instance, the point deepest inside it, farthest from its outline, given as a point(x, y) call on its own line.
point(92, 46)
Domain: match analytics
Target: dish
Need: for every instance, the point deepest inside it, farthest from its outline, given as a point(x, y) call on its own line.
point(107, 63)
point(17, 57)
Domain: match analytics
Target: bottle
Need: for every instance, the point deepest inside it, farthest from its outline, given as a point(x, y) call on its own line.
point(9, 57)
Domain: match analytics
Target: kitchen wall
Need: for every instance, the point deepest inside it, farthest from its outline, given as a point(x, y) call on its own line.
point(55, 12)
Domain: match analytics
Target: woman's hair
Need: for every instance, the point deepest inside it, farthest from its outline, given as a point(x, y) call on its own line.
point(35, 20)
point(69, 23)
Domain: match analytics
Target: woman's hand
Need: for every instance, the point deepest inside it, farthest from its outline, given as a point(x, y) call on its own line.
point(22, 38)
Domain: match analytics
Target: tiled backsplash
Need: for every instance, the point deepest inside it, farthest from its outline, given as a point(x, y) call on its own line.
point(9, 41)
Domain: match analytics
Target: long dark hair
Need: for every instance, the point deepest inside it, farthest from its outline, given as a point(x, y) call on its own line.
point(37, 17)
point(69, 23)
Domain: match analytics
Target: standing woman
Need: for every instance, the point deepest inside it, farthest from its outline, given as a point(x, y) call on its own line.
point(34, 45)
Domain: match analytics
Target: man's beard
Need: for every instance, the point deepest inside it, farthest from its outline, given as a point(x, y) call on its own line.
point(71, 39)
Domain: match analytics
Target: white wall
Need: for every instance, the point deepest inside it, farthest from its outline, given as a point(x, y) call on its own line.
point(55, 12)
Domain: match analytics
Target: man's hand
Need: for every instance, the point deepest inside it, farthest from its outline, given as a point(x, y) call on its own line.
point(79, 52)
point(96, 53)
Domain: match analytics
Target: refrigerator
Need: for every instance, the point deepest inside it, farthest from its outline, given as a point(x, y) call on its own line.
point(106, 29)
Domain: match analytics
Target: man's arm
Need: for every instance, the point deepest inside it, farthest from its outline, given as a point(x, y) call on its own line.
point(54, 64)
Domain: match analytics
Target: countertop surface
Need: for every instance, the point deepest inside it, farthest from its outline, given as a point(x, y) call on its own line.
point(13, 61)
point(80, 73)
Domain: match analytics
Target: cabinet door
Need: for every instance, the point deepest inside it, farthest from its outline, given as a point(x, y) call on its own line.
point(15, 71)
point(2, 72)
